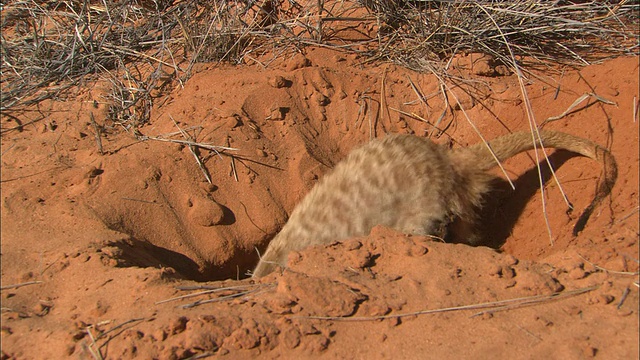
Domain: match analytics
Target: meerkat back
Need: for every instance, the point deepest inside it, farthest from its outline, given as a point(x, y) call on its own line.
point(401, 181)
point(415, 186)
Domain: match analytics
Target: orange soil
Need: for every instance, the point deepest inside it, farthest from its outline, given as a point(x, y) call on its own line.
point(109, 236)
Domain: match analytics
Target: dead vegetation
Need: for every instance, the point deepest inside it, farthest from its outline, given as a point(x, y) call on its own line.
point(537, 32)
point(142, 46)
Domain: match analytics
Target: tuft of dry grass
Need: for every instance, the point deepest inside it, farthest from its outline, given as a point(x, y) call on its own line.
point(138, 46)
point(536, 32)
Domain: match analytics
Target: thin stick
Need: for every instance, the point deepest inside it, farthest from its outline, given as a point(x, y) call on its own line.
point(502, 304)
point(362, 109)
point(282, 267)
point(7, 150)
point(625, 293)
point(97, 133)
point(205, 292)
point(576, 103)
point(214, 148)
point(320, 4)
point(417, 117)
point(559, 82)
point(383, 98)
point(190, 128)
point(96, 353)
point(16, 286)
point(634, 273)
point(246, 212)
point(418, 93)
point(193, 151)
point(372, 121)
point(140, 200)
point(118, 327)
point(233, 165)
point(446, 103)
point(222, 298)
point(529, 333)
point(630, 214)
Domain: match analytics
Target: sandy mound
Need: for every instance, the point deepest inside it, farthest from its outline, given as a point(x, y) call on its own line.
point(100, 241)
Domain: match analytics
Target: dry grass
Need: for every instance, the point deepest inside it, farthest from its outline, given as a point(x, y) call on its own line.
point(142, 46)
point(138, 46)
point(537, 32)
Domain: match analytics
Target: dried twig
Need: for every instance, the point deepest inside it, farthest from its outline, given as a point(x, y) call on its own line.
point(628, 215)
point(97, 133)
point(233, 165)
point(417, 117)
point(632, 273)
point(494, 306)
point(215, 148)
point(95, 352)
point(575, 104)
point(16, 286)
point(625, 293)
point(192, 149)
point(208, 290)
point(229, 297)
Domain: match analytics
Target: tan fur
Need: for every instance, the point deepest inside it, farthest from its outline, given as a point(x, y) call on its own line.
point(415, 186)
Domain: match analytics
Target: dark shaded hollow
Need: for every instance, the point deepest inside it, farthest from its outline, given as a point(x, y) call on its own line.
point(504, 206)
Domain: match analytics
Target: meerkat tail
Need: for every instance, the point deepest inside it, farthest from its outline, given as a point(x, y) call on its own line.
point(507, 146)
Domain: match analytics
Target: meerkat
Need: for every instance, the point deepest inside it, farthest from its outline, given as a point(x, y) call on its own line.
point(415, 186)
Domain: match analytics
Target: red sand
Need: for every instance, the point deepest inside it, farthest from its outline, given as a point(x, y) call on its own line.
point(109, 236)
